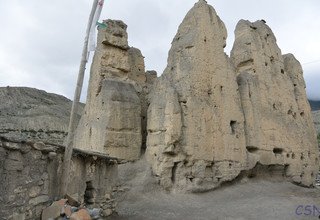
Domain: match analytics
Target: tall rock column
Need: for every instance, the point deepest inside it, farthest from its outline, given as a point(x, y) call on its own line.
point(196, 138)
point(112, 121)
point(278, 123)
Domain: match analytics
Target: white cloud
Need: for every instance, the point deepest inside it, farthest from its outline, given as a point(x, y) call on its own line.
point(41, 42)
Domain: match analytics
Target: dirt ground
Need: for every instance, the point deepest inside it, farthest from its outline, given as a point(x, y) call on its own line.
point(248, 199)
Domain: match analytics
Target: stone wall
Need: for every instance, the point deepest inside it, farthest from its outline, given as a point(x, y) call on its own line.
point(30, 177)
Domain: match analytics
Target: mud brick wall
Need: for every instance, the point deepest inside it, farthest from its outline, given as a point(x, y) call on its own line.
point(30, 176)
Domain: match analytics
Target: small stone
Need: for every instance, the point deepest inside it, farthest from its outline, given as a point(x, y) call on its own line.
point(82, 214)
point(25, 149)
point(68, 210)
point(39, 200)
point(107, 212)
point(40, 183)
point(94, 213)
point(72, 200)
point(39, 146)
point(34, 191)
point(11, 146)
point(108, 196)
point(12, 165)
point(52, 212)
point(18, 217)
point(61, 202)
point(52, 155)
point(20, 189)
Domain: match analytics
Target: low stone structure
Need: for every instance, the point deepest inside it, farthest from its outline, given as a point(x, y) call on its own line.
point(33, 125)
point(30, 175)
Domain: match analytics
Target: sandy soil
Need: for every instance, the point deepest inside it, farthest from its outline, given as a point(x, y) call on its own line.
point(249, 199)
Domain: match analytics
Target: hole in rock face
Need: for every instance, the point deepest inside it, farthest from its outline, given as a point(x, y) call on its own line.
point(233, 125)
point(293, 156)
point(274, 106)
point(288, 155)
point(89, 194)
point(289, 112)
point(301, 114)
point(251, 175)
point(282, 71)
point(277, 151)
point(301, 157)
point(252, 149)
point(272, 59)
point(174, 170)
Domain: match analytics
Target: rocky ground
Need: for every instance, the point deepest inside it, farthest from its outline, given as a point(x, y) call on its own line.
point(248, 199)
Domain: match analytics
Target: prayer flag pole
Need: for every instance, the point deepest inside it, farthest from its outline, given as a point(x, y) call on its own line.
point(73, 123)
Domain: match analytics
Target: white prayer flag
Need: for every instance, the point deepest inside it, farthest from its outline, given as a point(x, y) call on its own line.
point(92, 36)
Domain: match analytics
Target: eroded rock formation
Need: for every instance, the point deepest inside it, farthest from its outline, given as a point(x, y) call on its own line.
point(195, 123)
point(279, 127)
point(113, 121)
point(213, 118)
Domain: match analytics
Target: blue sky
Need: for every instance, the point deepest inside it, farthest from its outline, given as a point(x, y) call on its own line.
point(41, 41)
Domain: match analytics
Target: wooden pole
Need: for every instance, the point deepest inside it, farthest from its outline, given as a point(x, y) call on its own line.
point(73, 123)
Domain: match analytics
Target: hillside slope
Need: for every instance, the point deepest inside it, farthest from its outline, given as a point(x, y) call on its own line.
point(315, 105)
point(316, 118)
point(32, 114)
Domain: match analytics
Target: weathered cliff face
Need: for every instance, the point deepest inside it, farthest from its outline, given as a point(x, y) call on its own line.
point(32, 114)
point(212, 117)
point(116, 101)
point(278, 123)
point(195, 122)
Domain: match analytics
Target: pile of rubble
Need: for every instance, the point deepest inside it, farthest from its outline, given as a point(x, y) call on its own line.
point(71, 209)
